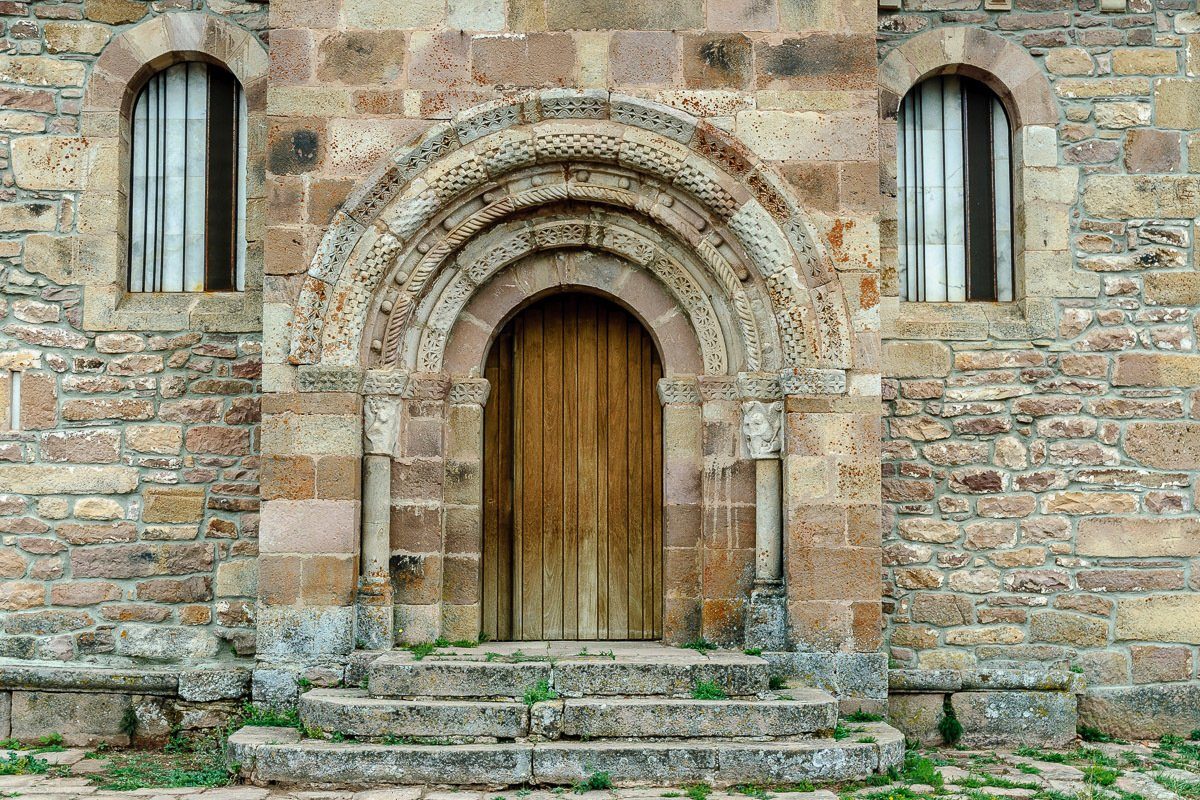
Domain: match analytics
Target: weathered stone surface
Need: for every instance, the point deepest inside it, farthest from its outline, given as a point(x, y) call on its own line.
point(1138, 536)
point(214, 683)
point(166, 643)
point(1159, 618)
point(354, 713)
point(917, 716)
point(810, 711)
point(1007, 718)
point(67, 479)
point(1142, 712)
point(83, 719)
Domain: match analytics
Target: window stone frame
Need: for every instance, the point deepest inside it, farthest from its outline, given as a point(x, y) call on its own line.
point(1044, 191)
point(100, 255)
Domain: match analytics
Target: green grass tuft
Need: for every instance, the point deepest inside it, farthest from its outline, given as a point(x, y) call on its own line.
point(697, 791)
point(699, 644)
point(597, 781)
point(22, 764)
point(708, 690)
point(858, 715)
point(539, 692)
point(949, 726)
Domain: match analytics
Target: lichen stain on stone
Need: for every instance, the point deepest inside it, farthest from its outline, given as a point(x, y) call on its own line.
point(868, 292)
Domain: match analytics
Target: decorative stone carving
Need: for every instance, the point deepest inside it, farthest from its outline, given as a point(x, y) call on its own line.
point(762, 424)
point(328, 379)
point(805, 381)
point(718, 387)
point(470, 391)
point(678, 392)
point(490, 142)
point(384, 382)
point(379, 425)
point(759, 386)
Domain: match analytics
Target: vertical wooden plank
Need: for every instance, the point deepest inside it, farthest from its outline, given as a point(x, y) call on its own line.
point(604, 427)
point(489, 591)
point(657, 418)
point(552, 484)
point(532, 491)
point(588, 457)
point(617, 479)
point(503, 389)
point(646, 392)
point(518, 473)
point(633, 550)
point(570, 468)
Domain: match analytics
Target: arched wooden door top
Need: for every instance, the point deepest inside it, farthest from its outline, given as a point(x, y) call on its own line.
point(573, 475)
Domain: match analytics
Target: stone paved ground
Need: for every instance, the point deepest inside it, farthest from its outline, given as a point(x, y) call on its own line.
point(1165, 770)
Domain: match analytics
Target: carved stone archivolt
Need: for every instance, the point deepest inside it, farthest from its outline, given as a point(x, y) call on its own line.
point(727, 337)
point(402, 239)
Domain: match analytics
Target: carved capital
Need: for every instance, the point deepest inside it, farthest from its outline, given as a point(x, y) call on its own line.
point(718, 387)
point(426, 386)
point(379, 424)
point(678, 392)
point(470, 392)
point(384, 382)
point(810, 381)
point(762, 425)
point(759, 386)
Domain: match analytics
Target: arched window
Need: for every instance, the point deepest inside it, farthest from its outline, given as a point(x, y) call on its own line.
point(187, 198)
point(954, 182)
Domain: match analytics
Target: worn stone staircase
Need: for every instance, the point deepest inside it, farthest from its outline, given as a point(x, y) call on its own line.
point(553, 714)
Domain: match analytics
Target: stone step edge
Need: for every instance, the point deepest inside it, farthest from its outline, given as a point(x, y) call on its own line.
point(812, 697)
point(338, 710)
point(248, 744)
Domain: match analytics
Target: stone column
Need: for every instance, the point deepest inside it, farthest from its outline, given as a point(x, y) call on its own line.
point(762, 430)
point(462, 572)
point(376, 629)
point(682, 495)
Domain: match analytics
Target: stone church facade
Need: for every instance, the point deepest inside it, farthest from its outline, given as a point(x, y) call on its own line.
point(208, 496)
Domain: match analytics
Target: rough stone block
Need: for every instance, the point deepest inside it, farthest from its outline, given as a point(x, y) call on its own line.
point(214, 683)
point(619, 718)
point(1015, 717)
point(354, 713)
point(917, 716)
point(1160, 618)
point(1142, 712)
point(83, 718)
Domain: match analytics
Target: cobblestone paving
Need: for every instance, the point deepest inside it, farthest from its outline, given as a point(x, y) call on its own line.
point(1165, 770)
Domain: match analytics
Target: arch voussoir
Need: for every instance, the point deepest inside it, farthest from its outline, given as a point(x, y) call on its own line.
point(392, 242)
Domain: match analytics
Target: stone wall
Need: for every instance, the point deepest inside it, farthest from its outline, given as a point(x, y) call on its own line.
point(129, 493)
point(1040, 494)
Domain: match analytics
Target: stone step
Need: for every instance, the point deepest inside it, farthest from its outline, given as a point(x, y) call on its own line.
point(353, 712)
point(279, 755)
point(809, 711)
point(662, 672)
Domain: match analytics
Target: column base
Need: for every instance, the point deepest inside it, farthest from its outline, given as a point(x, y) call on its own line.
point(766, 626)
point(375, 617)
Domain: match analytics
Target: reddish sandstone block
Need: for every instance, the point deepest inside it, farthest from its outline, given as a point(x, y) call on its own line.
point(279, 580)
point(530, 60)
point(215, 439)
point(287, 478)
point(643, 58)
point(338, 477)
point(309, 526)
point(328, 580)
point(1153, 664)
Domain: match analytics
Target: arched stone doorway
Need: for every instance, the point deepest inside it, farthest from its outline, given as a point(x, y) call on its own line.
point(769, 399)
point(572, 475)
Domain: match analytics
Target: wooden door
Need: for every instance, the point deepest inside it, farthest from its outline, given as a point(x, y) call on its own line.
point(573, 476)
